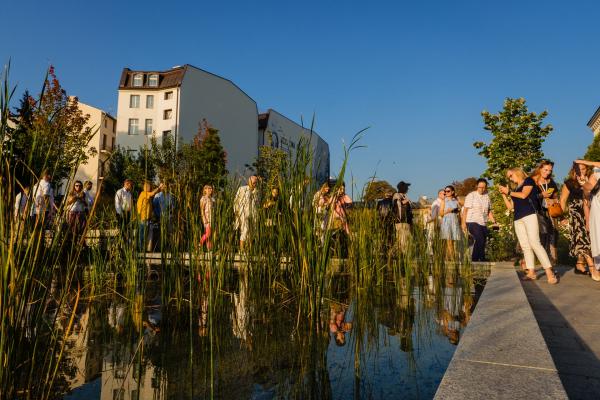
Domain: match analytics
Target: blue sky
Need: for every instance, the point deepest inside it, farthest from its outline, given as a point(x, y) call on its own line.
point(417, 73)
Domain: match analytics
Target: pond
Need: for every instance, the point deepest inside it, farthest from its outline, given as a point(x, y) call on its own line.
point(394, 339)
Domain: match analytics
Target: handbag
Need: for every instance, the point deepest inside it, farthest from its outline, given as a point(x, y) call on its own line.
point(555, 210)
point(544, 222)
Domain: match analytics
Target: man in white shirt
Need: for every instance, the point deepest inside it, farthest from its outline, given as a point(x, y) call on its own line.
point(433, 221)
point(22, 201)
point(475, 215)
point(43, 199)
point(124, 203)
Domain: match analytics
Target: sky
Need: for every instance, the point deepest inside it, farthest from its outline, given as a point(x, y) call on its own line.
point(416, 74)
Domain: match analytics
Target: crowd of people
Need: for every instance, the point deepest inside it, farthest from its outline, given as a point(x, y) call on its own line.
point(539, 206)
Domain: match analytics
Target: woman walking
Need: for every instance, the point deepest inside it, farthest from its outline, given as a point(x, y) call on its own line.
point(521, 201)
point(591, 190)
point(321, 205)
point(450, 226)
point(572, 199)
point(548, 195)
point(76, 206)
point(206, 212)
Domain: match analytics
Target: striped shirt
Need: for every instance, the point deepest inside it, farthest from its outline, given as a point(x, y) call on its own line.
point(478, 207)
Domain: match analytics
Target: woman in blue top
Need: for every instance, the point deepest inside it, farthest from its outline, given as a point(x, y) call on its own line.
point(521, 200)
point(450, 226)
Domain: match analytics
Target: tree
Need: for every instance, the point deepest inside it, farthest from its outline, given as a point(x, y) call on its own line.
point(204, 161)
point(124, 164)
point(376, 190)
point(593, 150)
point(465, 186)
point(50, 133)
point(517, 138)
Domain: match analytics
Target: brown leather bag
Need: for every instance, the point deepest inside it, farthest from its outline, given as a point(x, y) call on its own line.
point(555, 210)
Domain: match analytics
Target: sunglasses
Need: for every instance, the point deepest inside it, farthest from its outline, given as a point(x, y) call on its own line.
point(447, 191)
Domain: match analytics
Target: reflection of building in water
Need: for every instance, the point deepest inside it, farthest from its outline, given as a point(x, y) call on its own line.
point(86, 359)
point(121, 381)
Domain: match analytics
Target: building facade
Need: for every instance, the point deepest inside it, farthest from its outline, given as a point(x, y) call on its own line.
point(155, 104)
point(594, 122)
point(276, 130)
point(104, 140)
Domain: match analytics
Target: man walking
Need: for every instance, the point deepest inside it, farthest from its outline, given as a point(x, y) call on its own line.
point(475, 215)
point(124, 208)
point(43, 201)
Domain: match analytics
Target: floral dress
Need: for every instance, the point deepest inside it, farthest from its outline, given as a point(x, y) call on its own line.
point(579, 245)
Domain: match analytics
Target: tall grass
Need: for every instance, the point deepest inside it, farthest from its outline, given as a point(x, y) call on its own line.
point(287, 264)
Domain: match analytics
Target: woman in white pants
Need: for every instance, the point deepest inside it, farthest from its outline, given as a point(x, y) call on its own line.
point(522, 200)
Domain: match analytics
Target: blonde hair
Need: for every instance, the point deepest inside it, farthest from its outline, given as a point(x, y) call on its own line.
point(518, 171)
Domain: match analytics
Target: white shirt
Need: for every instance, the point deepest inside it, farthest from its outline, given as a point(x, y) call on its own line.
point(89, 199)
point(40, 191)
point(478, 207)
point(21, 204)
point(123, 201)
point(435, 209)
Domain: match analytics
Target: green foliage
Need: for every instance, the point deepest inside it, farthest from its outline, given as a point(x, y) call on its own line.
point(517, 138)
point(376, 190)
point(123, 164)
point(49, 133)
point(593, 150)
point(271, 164)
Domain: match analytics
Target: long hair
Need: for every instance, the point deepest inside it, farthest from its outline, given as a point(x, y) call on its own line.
point(453, 190)
point(574, 173)
point(538, 170)
point(74, 184)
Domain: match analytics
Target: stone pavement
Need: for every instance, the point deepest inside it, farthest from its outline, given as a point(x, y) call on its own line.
point(568, 315)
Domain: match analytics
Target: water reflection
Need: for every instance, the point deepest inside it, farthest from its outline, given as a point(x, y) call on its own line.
point(394, 340)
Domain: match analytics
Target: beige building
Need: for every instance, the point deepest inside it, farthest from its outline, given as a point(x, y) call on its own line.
point(594, 122)
point(104, 125)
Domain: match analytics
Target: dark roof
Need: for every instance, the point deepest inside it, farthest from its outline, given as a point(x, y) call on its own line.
point(594, 117)
point(166, 79)
point(262, 121)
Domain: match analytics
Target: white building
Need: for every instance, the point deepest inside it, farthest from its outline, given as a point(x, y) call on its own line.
point(594, 122)
point(278, 131)
point(104, 127)
point(174, 102)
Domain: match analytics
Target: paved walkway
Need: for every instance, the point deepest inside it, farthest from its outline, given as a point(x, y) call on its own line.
point(568, 315)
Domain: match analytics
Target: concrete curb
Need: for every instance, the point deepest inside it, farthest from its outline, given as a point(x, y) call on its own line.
point(502, 354)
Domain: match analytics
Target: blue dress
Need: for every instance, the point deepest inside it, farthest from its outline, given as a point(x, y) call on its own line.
point(450, 227)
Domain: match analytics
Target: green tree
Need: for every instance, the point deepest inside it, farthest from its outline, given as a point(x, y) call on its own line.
point(124, 164)
point(593, 150)
point(517, 138)
point(50, 133)
point(272, 164)
point(376, 190)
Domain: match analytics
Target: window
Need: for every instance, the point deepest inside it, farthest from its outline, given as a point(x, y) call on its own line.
point(153, 80)
point(167, 114)
point(150, 101)
point(105, 122)
point(134, 101)
point(133, 126)
point(103, 142)
point(138, 80)
point(168, 95)
point(112, 144)
point(148, 127)
point(166, 134)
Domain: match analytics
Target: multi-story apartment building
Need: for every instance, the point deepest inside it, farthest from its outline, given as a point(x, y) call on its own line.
point(104, 125)
point(276, 130)
point(175, 102)
point(594, 122)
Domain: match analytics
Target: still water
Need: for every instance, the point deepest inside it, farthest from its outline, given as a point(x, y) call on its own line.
point(393, 340)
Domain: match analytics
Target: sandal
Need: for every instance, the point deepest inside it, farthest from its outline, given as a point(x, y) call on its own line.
point(528, 277)
point(580, 269)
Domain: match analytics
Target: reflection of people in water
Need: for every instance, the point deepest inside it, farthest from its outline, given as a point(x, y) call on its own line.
point(203, 317)
point(337, 323)
point(240, 313)
point(456, 310)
